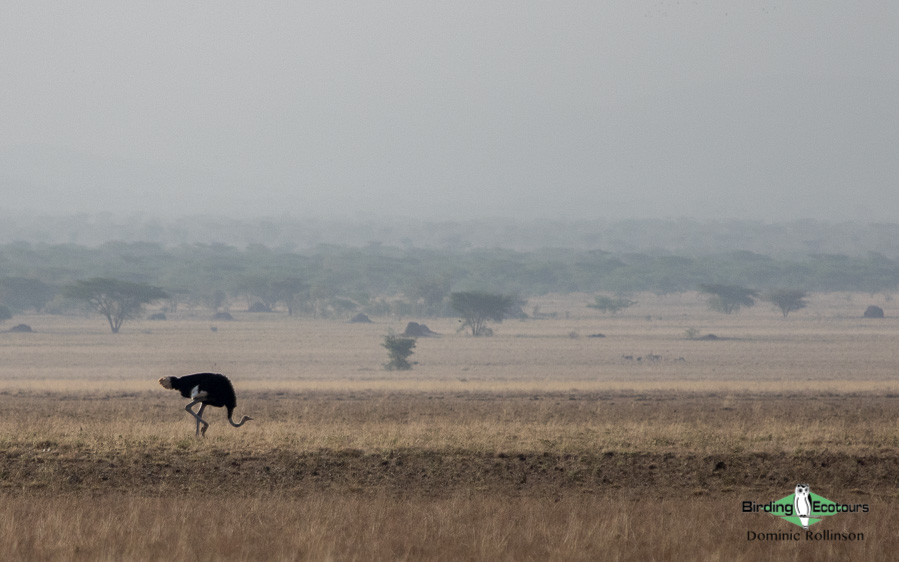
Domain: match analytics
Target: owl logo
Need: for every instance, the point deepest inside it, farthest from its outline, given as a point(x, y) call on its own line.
point(801, 504)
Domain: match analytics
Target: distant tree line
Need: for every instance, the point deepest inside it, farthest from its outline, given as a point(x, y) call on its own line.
point(674, 236)
point(337, 281)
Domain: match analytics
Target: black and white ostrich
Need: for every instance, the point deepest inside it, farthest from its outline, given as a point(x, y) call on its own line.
point(207, 389)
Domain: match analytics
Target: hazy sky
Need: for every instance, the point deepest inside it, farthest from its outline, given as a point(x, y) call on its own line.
point(753, 109)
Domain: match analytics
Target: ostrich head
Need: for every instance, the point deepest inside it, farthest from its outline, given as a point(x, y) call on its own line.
point(242, 421)
point(166, 382)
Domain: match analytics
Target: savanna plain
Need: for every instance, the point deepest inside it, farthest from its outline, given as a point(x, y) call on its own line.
point(572, 436)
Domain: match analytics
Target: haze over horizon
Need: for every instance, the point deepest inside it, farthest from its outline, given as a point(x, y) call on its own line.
point(762, 110)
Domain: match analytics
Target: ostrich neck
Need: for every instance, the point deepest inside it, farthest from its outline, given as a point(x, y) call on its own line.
point(244, 420)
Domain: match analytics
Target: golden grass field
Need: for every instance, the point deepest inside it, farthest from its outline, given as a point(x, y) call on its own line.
point(540, 443)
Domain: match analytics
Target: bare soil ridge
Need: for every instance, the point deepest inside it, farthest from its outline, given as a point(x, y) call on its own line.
point(170, 472)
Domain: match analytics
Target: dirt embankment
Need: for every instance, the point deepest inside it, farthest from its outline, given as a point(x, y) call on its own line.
point(430, 473)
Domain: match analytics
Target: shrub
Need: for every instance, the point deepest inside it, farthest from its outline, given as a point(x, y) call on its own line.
point(398, 350)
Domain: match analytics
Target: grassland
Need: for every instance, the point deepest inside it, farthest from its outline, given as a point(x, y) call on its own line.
point(542, 442)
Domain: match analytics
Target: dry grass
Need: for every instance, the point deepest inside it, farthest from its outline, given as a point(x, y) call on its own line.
point(576, 423)
point(464, 527)
point(539, 443)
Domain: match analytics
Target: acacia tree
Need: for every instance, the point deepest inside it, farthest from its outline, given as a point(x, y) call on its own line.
point(728, 298)
point(272, 290)
point(261, 287)
point(428, 293)
point(288, 289)
point(116, 300)
point(787, 300)
point(476, 308)
point(610, 305)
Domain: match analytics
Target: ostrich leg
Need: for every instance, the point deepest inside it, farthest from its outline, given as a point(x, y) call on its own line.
point(198, 416)
point(200, 419)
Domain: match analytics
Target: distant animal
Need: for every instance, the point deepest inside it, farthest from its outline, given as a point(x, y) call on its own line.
point(206, 389)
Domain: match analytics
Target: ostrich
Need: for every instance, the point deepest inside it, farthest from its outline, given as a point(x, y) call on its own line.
point(209, 389)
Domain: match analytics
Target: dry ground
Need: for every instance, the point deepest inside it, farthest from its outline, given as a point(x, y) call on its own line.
point(539, 443)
